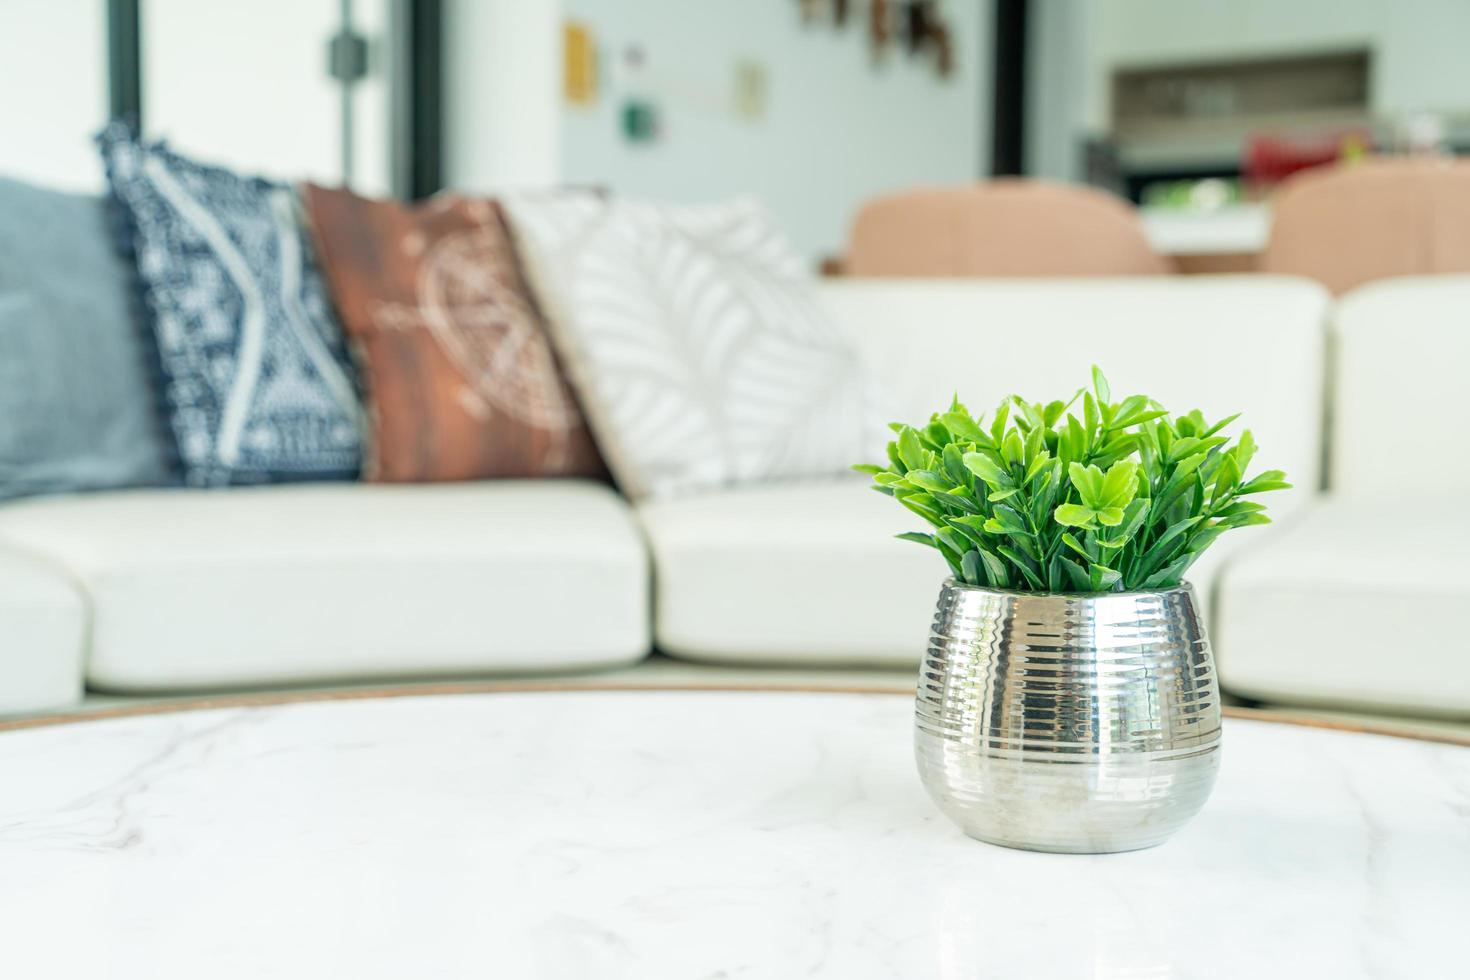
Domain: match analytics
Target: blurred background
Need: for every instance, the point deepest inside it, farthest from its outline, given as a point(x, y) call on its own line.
point(1194, 109)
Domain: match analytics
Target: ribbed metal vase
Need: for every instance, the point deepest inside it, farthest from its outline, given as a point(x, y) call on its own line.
point(1068, 723)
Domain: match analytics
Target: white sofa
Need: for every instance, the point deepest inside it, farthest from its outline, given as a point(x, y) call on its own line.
point(1361, 602)
point(811, 574)
point(176, 590)
point(191, 590)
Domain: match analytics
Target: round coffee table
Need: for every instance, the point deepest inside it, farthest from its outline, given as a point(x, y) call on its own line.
point(687, 834)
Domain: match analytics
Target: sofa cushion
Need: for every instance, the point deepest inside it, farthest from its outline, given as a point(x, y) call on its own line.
point(78, 411)
point(699, 350)
point(43, 623)
point(1396, 343)
point(195, 589)
point(255, 378)
point(1329, 611)
point(459, 374)
point(804, 573)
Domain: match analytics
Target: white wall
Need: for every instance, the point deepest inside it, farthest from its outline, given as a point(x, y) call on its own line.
point(836, 130)
point(502, 94)
point(53, 90)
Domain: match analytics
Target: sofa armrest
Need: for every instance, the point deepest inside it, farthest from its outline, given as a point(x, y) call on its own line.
point(43, 625)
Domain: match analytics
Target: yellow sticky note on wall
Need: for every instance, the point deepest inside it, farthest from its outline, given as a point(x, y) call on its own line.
point(579, 64)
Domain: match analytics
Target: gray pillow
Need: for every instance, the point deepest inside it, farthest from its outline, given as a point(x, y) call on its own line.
point(77, 410)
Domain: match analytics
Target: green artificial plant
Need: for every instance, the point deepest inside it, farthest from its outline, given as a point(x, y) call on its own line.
point(1122, 499)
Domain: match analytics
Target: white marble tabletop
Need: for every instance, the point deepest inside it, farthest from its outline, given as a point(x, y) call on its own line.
point(687, 835)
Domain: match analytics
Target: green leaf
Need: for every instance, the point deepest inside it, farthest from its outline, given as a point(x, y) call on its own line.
point(1221, 424)
point(1007, 520)
point(1245, 451)
point(956, 502)
point(970, 567)
point(1103, 579)
point(1089, 483)
point(1169, 576)
point(954, 465)
point(929, 480)
point(1100, 386)
point(952, 539)
point(1262, 482)
point(1110, 516)
point(988, 470)
point(872, 469)
point(961, 426)
point(998, 425)
point(919, 537)
point(1119, 485)
point(1026, 566)
point(1189, 464)
point(1012, 449)
point(1244, 520)
point(923, 505)
point(1080, 580)
point(995, 568)
point(1076, 444)
point(1071, 542)
point(1075, 515)
point(895, 460)
point(910, 449)
point(1226, 479)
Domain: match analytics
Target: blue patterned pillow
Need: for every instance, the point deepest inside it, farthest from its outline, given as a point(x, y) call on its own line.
point(256, 381)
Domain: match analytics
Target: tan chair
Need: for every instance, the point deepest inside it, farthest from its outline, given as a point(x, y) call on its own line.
point(1005, 227)
point(1351, 223)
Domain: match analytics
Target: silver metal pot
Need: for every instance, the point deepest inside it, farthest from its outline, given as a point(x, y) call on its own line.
point(1079, 723)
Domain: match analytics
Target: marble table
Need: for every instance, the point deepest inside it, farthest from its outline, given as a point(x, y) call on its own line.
point(688, 834)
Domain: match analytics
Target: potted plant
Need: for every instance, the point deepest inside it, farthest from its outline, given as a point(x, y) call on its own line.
point(1068, 699)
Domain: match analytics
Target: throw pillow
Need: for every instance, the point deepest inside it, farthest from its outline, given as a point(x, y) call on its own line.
point(255, 378)
point(76, 409)
point(460, 378)
point(696, 342)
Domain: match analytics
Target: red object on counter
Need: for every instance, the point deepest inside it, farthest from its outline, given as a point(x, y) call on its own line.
point(1271, 159)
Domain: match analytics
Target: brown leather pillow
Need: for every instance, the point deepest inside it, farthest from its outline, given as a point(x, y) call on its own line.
point(461, 380)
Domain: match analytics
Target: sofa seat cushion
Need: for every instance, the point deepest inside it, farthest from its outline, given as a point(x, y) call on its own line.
point(1329, 611)
point(800, 573)
point(196, 589)
point(43, 620)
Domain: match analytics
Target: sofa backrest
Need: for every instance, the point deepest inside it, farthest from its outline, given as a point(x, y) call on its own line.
point(1400, 350)
point(1222, 344)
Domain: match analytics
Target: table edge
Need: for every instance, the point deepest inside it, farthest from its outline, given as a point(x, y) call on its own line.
point(277, 698)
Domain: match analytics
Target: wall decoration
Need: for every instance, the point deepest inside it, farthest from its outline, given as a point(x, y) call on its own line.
point(579, 64)
point(639, 116)
point(750, 89)
point(814, 10)
point(880, 26)
point(921, 26)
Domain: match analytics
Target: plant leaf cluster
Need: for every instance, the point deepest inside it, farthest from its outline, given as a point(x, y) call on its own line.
point(1123, 498)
